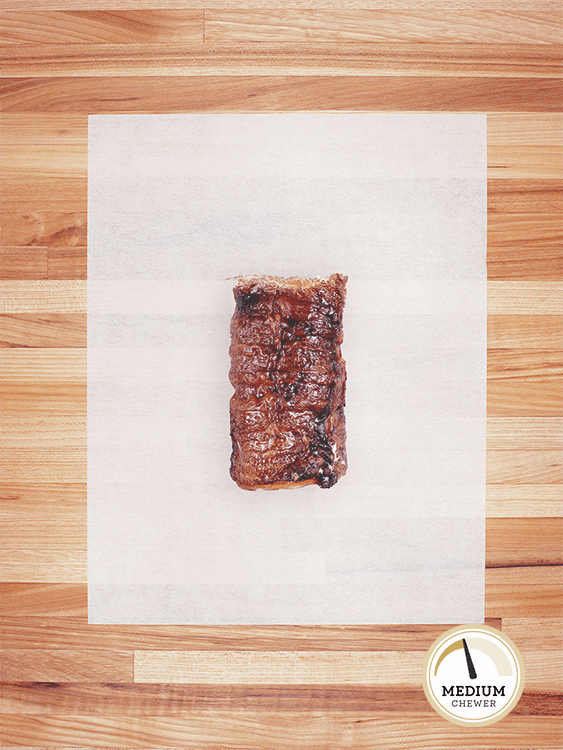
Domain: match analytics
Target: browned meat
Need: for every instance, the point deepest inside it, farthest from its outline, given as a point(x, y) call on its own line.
point(287, 412)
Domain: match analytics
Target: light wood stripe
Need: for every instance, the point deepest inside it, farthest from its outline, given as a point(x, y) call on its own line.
point(59, 464)
point(19, 430)
point(279, 667)
point(378, 25)
point(44, 465)
point(43, 432)
point(428, 24)
point(43, 565)
point(525, 466)
point(62, 365)
point(525, 129)
point(326, 5)
point(525, 298)
point(510, 433)
point(67, 296)
point(524, 500)
point(65, 157)
point(43, 519)
point(524, 162)
point(521, 332)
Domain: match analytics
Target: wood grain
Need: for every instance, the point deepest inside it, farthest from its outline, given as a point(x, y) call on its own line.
point(16, 263)
point(541, 231)
point(279, 667)
point(525, 297)
point(57, 330)
point(378, 25)
point(521, 332)
point(503, 297)
point(55, 262)
point(395, 59)
point(44, 599)
point(525, 262)
point(534, 598)
point(524, 500)
point(250, 93)
point(544, 671)
point(43, 228)
point(525, 466)
point(326, 5)
point(32, 297)
point(69, 683)
point(529, 631)
point(524, 541)
point(49, 665)
point(291, 730)
point(521, 433)
point(50, 365)
point(53, 565)
point(74, 632)
point(98, 27)
point(512, 195)
point(26, 397)
point(176, 700)
point(288, 25)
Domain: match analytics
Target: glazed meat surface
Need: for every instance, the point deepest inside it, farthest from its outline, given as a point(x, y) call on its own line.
point(287, 413)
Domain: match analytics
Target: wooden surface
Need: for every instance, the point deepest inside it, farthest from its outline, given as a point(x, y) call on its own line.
point(67, 684)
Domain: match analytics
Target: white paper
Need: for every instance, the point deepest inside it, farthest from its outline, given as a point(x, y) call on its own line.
point(178, 204)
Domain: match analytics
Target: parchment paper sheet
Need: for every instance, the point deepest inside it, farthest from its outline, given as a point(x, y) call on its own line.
point(177, 205)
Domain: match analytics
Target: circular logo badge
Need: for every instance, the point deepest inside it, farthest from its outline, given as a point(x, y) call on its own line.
point(473, 675)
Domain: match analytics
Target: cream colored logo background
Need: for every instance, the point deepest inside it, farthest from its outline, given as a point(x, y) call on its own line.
point(473, 675)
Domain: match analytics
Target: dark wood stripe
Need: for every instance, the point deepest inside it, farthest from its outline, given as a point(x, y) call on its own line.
point(73, 632)
point(525, 196)
point(43, 228)
point(279, 93)
point(174, 700)
point(524, 541)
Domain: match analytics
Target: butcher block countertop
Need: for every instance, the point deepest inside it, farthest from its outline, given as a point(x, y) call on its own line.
point(65, 683)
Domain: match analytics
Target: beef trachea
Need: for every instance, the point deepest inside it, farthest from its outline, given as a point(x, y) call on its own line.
point(287, 412)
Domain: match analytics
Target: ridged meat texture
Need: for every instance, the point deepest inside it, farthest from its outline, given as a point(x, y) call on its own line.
point(287, 413)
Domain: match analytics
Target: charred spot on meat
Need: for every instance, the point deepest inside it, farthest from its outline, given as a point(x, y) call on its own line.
point(287, 412)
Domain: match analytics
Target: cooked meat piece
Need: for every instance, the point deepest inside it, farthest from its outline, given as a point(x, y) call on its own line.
point(287, 412)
